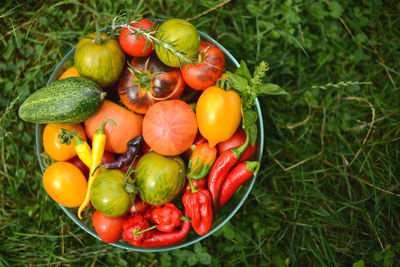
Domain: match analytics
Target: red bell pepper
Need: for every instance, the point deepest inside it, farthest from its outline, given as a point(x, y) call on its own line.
point(162, 239)
point(201, 160)
point(240, 174)
point(221, 167)
point(135, 230)
point(198, 205)
point(167, 218)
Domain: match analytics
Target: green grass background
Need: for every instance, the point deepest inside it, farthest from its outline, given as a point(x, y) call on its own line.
point(328, 191)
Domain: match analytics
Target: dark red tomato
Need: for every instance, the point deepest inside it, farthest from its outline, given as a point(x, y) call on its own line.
point(109, 229)
point(107, 157)
point(197, 141)
point(207, 70)
point(201, 183)
point(126, 167)
point(146, 148)
point(139, 89)
point(139, 207)
point(235, 141)
point(135, 45)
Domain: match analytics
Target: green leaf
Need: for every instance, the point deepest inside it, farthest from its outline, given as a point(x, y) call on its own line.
point(238, 82)
point(253, 134)
point(336, 9)
point(359, 263)
point(198, 248)
point(205, 258)
point(243, 71)
point(249, 117)
point(271, 89)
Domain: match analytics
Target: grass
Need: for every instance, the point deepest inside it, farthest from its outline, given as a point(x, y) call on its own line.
point(328, 192)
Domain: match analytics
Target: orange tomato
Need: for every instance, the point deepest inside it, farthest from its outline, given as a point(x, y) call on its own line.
point(52, 144)
point(129, 125)
point(71, 72)
point(218, 114)
point(65, 184)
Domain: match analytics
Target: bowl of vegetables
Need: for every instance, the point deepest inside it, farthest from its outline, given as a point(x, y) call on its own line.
point(124, 154)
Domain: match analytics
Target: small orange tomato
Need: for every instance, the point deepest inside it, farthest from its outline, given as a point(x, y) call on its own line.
point(52, 144)
point(218, 114)
point(70, 72)
point(65, 184)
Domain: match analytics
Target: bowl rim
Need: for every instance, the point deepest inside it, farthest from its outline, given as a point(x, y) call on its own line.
point(182, 244)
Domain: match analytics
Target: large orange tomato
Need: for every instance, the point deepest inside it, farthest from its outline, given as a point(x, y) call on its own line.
point(129, 125)
point(52, 144)
point(65, 184)
point(218, 114)
point(169, 127)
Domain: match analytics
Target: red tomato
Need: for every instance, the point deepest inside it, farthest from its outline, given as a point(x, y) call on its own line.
point(139, 207)
point(135, 45)
point(129, 125)
point(208, 70)
point(201, 183)
point(107, 157)
point(235, 141)
point(169, 127)
point(139, 90)
point(197, 141)
point(109, 229)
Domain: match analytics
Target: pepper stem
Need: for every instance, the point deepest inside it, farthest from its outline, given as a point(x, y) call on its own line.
point(185, 219)
point(100, 130)
point(252, 166)
point(239, 151)
point(192, 188)
point(136, 232)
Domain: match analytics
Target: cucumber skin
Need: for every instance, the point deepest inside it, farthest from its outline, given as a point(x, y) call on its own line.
point(70, 100)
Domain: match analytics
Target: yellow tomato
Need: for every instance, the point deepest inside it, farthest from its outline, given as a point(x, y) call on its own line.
point(71, 72)
point(218, 114)
point(65, 184)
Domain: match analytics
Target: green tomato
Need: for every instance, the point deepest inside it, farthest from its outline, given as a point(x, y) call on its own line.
point(103, 63)
point(184, 38)
point(159, 179)
point(107, 194)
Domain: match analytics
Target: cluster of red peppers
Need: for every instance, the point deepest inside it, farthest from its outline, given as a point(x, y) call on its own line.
point(212, 181)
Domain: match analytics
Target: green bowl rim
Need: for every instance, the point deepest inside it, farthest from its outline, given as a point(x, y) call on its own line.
point(183, 244)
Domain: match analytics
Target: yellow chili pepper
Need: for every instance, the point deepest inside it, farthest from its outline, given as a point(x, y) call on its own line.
point(98, 144)
point(83, 150)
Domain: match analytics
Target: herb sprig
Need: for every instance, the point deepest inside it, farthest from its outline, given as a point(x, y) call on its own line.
point(249, 88)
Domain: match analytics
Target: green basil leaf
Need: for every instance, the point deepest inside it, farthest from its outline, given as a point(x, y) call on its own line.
point(271, 89)
point(237, 82)
point(253, 134)
point(249, 118)
point(243, 71)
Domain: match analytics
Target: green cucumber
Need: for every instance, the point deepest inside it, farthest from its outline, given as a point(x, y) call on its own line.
point(70, 100)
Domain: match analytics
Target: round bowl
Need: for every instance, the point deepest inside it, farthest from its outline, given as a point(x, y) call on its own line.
point(223, 215)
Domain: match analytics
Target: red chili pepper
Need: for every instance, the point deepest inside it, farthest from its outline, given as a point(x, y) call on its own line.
point(135, 230)
point(201, 160)
point(240, 174)
point(201, 183)
point(161, 239)
point(167, 218)
point(221, 167)
point(198, 205)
